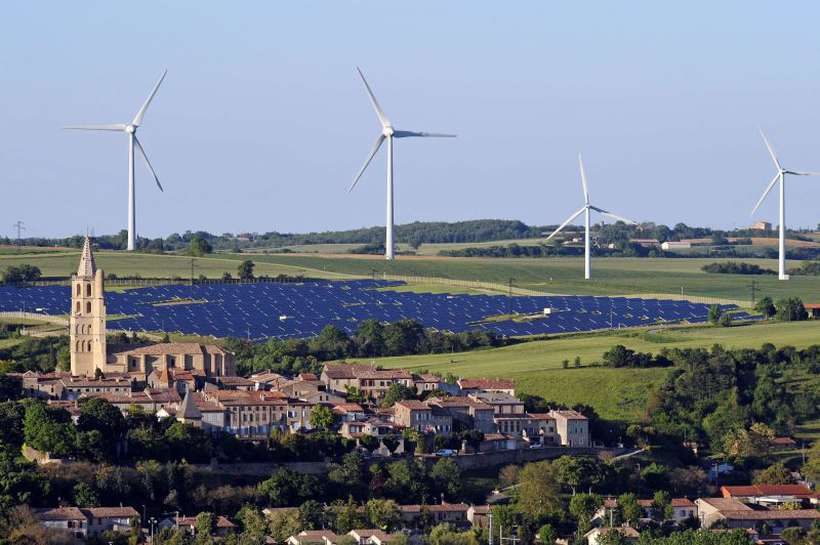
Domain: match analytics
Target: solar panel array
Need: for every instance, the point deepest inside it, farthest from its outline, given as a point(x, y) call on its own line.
point(290, 310)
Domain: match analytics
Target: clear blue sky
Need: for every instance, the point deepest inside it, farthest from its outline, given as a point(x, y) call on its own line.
point(262, 121)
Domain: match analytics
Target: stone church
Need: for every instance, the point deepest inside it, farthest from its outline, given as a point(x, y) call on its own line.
point(89, 349)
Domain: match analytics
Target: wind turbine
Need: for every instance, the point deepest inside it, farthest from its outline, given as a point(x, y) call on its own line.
point(388, 133)
point(780, 177)
point(131, 130)
point(586, 211)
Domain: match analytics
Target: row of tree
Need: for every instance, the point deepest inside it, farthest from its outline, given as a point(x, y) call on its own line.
point(372, 339)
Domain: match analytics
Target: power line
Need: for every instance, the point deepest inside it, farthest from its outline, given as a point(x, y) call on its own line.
point(20, 226)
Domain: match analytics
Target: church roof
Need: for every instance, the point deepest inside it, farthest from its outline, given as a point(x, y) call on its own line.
point(188, 409)
point(87, 266)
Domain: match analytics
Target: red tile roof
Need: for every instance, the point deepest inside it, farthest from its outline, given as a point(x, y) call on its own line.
point(486, 384)
point(754, 490)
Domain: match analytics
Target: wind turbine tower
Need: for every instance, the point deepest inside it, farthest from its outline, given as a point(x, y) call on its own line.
point(780, 178)
point(586, 210)
point(388, 133)
point(131, 130)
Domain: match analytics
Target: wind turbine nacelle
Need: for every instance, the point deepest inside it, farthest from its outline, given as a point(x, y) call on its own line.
point(387, 130)
point(130, 129)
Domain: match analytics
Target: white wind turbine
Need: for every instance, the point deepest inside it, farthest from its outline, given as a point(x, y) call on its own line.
point(388, 133)
point(586, 211)
point(780, 177)
point(131, 130)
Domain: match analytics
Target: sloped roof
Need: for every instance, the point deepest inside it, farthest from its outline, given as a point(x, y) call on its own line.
point(188, 409)
point(753, 490)
point(87, 266)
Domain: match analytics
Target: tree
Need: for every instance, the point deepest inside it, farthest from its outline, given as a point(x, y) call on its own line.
point(766, 307)
point(49, 430)
point(662, 506)
point(97, 414)
point(397, 392)
point(383, 514)
point(629, 507)
point(311, 515)
point(322, 418)
point(245, 270)
point(199, 246)
point(348, 516)
point(714, 314)
point(613, 536)
point(725, 320)
point(791, 309)
point(205, 524)
point(583, 507)
point(577, 471)
point(447, 477)
point(350, 475)
point(547, 534)
point(85, 496)
point(20, 273)
point(774, 474)
point(539, 492)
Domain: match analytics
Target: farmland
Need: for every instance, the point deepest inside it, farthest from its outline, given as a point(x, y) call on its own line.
point(537, 366)
point(611, 276)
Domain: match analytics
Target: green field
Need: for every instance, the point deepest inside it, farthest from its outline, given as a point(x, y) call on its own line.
point(611, 276)
point(616, 393)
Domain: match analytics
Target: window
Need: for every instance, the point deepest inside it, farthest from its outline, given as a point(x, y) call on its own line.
point(78, 307)
point(79, 290)
point(88, 307)
point(88, 290)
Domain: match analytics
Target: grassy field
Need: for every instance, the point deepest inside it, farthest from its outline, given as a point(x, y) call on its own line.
point(611, 276)
point(152, 265)
point(616, 393)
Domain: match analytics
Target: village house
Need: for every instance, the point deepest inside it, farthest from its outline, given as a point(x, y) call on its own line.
point(771, 494)
point(467, 412)
point(630, 534)
point(110, 519)
point(68, 519)
point(572, 427)
point(454, 513)
point(493, 385)
point(733, 513)
point(373, 383)
point(223, 526)
point(422, 417)
point(82, 523)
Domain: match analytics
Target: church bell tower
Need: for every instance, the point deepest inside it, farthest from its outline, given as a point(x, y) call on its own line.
point(87, 322)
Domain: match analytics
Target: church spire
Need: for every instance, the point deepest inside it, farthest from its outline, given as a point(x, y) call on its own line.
point(87, 266)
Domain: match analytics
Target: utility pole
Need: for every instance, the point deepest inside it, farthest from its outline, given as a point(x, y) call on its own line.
point(753, 286)
point(20, 226)
point(509, 295)
point(192, 271)
point(490, 518)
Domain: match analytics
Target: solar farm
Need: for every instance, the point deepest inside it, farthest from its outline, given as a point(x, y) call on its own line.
point(298, 310)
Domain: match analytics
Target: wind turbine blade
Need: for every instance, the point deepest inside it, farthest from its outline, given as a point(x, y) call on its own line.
point(572, 217)
point(376, 147)
point(383, 118)
point(771, 151)
point(140, 114)
point(412, 134)
point(106, 127)
point(147, 162)
point(583, 179)
point(796, 173)
point(613, 216)
point(768, 188)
